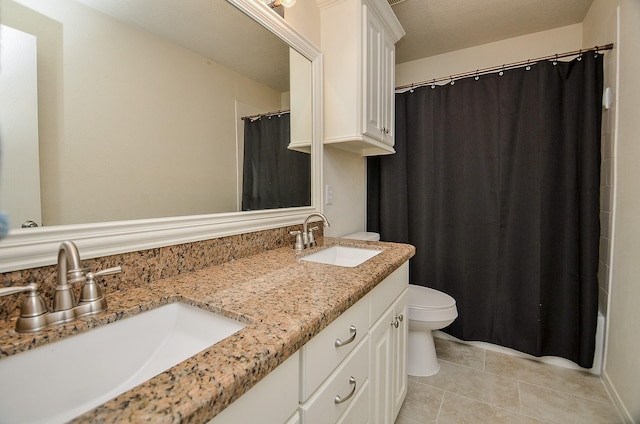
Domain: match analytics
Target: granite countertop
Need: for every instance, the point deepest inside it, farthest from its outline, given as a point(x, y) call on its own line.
point(284, 301)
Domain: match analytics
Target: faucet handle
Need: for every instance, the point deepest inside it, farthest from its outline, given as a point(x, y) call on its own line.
point(33, 310)
point(299, 245)
point(91, 291)
point(91, 299)
point(311, 241)
point(107, 271)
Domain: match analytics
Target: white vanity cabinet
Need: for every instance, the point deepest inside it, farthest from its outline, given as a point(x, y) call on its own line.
point(353, 371)
point(334, 367)
point(274, 400)
point(388, 339)
point(359, 376)
point(358, 42)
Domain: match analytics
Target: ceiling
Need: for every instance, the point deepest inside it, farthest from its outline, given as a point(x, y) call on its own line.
point(439, 26)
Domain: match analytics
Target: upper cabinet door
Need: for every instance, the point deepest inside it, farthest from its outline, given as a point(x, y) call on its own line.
point(374, 60)
point(388, 80)
point(358, 43)
point(378, 100)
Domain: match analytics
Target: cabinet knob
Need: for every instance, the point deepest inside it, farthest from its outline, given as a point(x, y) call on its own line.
point(395, 323)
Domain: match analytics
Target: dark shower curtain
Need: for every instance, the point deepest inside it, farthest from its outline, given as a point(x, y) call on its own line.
point(496, 183)
point(273, 175)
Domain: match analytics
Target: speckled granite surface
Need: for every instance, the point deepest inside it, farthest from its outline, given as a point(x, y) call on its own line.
point(284, 301)
point(146, 266)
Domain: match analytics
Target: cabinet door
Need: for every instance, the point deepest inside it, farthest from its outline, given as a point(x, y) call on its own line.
point(399, 373)
point(380, 362)
point(388, 98)
point(373, 66)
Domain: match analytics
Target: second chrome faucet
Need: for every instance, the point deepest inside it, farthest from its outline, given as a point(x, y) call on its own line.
point(305, 238)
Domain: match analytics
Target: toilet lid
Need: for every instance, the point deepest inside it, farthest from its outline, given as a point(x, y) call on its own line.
point(426, 298)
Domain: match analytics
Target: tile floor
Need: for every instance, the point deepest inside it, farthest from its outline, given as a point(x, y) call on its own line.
point(479, 386)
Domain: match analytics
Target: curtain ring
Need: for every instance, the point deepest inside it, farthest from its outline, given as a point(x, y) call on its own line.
point(595, 55)
point(555, 61)
point(579, 56)
point(411, 89)
point(451, 80)
point(433, 84)
point(528, 68)
point(501, 73)
point(477, 77)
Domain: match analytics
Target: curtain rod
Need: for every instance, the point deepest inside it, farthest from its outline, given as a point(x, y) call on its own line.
point(513, 65)
point(264, 115)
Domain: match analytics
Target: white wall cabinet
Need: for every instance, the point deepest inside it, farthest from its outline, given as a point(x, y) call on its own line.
point(358, 43)
point(353, 371)
point(379, 66)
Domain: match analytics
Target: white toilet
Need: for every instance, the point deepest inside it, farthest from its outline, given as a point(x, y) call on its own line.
point(429, 310)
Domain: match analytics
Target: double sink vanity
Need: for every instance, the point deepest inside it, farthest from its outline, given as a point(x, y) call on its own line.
point(281, 336)
point(235, 327)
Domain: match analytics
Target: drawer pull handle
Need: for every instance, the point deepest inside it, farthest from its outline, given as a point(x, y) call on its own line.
point(338, 400)
point(340, 343)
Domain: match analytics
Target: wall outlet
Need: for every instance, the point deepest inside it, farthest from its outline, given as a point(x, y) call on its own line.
point(328, 195)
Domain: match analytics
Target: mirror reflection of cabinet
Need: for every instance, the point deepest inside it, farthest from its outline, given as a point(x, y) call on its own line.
point(359, 69)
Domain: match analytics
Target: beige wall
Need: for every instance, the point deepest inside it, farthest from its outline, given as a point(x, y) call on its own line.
point(136, 142)
point(619, 19)
point(305, 18)
point(345, 172)
point(601, 27)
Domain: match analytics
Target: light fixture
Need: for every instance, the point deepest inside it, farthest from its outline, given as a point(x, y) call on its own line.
point(275, 3)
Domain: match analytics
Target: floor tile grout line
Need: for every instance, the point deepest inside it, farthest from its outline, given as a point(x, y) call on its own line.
point(444, 392)
point(480, 371)
point(609, 401)
point(524, 381)
point(522, 414)
point(484, 360)
point(519, 413)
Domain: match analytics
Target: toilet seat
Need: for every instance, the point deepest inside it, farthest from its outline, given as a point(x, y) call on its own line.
point(425, 298)
point(427, 305)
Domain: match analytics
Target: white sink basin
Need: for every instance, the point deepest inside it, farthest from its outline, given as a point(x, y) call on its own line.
point(59, 381)
point(342, 256)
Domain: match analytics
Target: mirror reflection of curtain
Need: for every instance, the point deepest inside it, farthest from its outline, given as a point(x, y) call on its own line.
point(274, 176)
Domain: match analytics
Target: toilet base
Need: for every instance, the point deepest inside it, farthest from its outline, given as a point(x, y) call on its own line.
point(422, 360)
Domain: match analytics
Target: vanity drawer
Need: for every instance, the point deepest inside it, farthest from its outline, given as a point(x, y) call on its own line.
point(388, 290)
point(348, 381)
point(358, 411)
point(320, 356)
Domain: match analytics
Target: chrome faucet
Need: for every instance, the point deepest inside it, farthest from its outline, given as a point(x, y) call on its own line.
point(34, 315)
point(305, 238)
point(69, 271)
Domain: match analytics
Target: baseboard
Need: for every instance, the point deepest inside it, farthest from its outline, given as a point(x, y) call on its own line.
point(617, 402)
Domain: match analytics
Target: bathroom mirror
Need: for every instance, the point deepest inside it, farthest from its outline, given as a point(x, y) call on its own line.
point(258, 85)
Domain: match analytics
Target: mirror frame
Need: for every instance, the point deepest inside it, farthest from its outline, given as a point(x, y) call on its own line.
point(30, 248)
